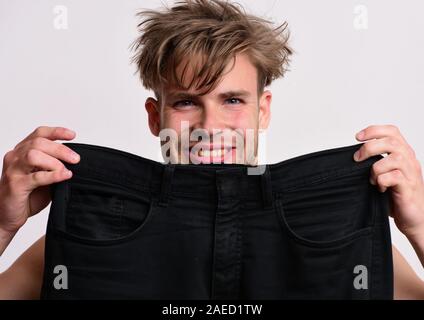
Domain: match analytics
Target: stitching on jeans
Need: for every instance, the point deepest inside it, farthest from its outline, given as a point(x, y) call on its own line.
point(120, 211)
point(109, 150)
point(118, 179)
point(67, 206)
point(322, 177)
point(316, 179)
point(239, 246)
point(295, 186)
point(370, 274)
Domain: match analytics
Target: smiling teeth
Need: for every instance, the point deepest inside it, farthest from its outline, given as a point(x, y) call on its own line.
point(213, 153)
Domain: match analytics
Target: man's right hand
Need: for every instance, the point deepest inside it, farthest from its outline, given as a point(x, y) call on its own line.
point(28, 170)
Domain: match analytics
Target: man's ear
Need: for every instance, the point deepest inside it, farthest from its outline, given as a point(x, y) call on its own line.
point(152, 108)
point(265, 109)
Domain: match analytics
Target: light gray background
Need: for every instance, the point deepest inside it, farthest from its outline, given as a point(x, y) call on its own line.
point(342, 79)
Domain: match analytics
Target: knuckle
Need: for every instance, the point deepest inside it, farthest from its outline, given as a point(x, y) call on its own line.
point(8, 157)
point(394, 128)
point(59, 131)
point(32, 155)
point(60, 167)
point(56, 131)
point(39, 130)
point(393, 142)
point(37, 142)
point(36, 177)
point(398, 174)
point(398, 157)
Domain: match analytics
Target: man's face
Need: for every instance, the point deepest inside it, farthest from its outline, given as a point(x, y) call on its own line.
point(219, 127)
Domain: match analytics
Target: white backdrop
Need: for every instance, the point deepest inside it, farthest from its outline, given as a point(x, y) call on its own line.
point(357, 63)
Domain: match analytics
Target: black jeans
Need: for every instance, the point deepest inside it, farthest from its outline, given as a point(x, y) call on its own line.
point(310, 227)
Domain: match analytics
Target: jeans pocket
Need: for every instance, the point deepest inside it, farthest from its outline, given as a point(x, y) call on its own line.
point(92, 211)
point(332, 212)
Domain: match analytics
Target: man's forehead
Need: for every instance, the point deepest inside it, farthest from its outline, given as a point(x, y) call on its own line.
point(236, 79)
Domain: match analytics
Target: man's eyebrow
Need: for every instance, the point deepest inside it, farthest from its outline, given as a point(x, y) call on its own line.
point(232, 93)
point(226, 94)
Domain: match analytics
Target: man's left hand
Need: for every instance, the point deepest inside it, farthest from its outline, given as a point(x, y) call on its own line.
point(400, 170)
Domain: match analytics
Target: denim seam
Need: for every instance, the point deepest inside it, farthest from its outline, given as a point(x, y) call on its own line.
point(321, 178)
point(239, 246)
point(121, 179)
point(370, 274)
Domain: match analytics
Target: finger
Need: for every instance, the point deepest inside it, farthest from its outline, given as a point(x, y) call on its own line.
point(379, 146)
point(394, 178)
point(43, 178)
point(392, 162)
point(52, 148)
point(379, 131)
point(38, 159)
point(51, 133)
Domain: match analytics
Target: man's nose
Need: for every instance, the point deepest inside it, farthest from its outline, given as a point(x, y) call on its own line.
point(210, 119)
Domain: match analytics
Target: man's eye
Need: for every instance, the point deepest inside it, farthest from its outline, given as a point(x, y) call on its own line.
point(189, 103)
point(183, 103)
point(234, 99)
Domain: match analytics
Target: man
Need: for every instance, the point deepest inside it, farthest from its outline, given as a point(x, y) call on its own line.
point(208, 63)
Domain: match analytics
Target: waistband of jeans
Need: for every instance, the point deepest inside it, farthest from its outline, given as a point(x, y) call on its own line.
point(144, 175)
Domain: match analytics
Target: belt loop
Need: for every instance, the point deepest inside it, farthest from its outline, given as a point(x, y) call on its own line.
point(244, 186)
point(266, 188)
point(166, 185)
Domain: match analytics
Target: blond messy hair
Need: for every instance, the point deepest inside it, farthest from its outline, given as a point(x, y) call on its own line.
point(208, 34)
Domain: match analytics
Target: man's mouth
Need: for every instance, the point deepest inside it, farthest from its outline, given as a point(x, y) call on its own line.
point(212, 154)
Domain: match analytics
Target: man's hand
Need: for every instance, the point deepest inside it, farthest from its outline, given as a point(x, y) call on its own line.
point(28, 170)
point(399, 170)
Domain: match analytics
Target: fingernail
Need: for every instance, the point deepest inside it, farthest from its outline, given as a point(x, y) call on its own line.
point(68, 173)
point(75, 156)
point(70, 132)
point(360, 134)
point(357, 155)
